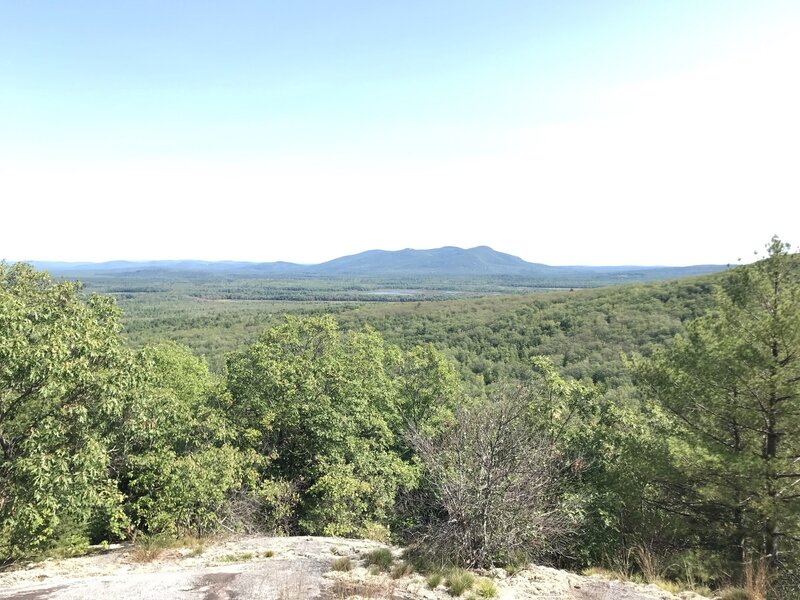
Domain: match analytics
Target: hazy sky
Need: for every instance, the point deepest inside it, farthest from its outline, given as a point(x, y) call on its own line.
point(565, 132)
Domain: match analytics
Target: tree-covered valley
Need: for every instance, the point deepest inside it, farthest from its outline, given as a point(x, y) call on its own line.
point(648, 428)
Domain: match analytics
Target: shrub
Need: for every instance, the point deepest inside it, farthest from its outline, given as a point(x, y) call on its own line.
point(493, 486)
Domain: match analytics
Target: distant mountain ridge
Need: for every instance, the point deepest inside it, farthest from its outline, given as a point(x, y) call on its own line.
point(447, 261)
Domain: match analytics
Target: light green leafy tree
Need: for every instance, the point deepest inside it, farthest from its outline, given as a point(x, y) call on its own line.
point(328, 410)
point(63, 373)
point(173, 451)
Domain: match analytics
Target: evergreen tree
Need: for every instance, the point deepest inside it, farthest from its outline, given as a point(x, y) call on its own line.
point(732, 386)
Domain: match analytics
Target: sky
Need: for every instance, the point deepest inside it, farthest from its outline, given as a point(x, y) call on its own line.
point(564, 132)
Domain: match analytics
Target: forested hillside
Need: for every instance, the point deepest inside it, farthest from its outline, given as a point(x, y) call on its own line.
point(571, 427)
point(583, 330)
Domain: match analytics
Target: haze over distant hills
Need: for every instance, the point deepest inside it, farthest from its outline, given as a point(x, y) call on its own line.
point(448, 261)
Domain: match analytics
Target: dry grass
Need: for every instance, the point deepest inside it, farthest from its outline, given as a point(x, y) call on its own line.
point(733, 594)
point(341, 589)
point(343, 564)
point(401, 569)
point(150, 548)
point(293, 589)
point(236, 558)
point(651, 564)
point(756, 579)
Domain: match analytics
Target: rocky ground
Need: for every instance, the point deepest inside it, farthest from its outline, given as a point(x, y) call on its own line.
point(282, 568)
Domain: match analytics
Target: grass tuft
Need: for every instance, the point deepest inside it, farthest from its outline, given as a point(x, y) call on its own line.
point(734, 594)
point(433, 580)
point(485, 588)
point(514, 568)
point(422, 563)
point(343, 589)
point(401, 569)
point(459, 581)
point(148, 548)
point(342, 564)
point(235, 558)
point(381, 558)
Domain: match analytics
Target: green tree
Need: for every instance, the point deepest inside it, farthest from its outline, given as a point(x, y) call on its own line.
point(328, 410)
point(732, 388)
point(173, 447)
point(63, 374)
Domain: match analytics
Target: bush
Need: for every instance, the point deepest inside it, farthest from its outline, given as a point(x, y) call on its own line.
point(493, 487)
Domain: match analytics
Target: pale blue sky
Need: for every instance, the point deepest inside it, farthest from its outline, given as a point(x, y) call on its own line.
point(564, 132)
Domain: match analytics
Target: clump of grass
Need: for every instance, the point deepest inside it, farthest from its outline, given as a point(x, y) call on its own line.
point(233, 558)
point(734, 594)
point(268, 554)
point(756, 579)
point(381, 558)
point(148, 548)
point(373, 570)
point(514, 568)
point(459, 581)
point(342, 564)
point(673, 587)
point(485, 588)
point(604, 573)
point(343, 589)
point(433, 580)
point(145, 554)
point(402, 569)
point(421, 562)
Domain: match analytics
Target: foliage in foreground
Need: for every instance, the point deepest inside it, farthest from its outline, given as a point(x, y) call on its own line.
point(326, 411)
point(100, 442)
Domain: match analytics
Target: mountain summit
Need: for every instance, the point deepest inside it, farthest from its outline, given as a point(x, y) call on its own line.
point(448, 260)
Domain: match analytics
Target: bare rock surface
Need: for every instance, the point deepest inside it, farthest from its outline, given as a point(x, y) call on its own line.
point(279, 568)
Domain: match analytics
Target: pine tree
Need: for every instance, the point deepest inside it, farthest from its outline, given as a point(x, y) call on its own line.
point(732, 387)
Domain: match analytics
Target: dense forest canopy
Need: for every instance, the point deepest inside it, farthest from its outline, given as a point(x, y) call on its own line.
point(665, 419)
